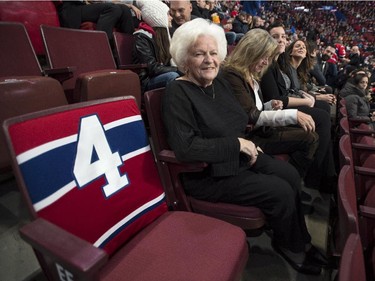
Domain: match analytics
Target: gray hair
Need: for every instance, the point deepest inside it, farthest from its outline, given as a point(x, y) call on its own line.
point(187, 34)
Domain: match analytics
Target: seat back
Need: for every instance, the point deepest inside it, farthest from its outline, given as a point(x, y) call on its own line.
point(347, 206)
point(343, 112)
point(352, 264)
point(21, 95)
point(345, 151)
point(106, 84)
point(17, 56)
point(88, 169)
point(175, 198)
point(124, 44)
point(170, 168)
point(31, 14)
point(87, 50)
point(344, 126)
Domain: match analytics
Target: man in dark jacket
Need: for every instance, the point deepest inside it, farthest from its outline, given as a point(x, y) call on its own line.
point(329, 69)
point(180, 11)
point(354, 57)
point(240, 24)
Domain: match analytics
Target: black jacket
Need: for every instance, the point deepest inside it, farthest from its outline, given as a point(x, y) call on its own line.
point(145, 51)
point(239, 26)
point(273, 85)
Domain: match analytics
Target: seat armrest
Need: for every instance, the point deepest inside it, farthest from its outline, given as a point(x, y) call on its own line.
point(365, 171)
point(363, 147)
point(366, 211)
point(358, 120)
point(134, 67)
point(60, 74)
point(358, 131)
point(169, 157)
point(72, 253)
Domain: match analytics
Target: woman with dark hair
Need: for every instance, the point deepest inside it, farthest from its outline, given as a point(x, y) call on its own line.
point(152, 45)
point(296, 62)
point(282, 81)
point(357, 98)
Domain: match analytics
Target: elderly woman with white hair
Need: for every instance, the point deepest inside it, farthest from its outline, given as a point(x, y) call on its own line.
point(205, 122)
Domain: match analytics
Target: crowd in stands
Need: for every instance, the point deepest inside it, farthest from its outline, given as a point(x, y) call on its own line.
point(346, 25)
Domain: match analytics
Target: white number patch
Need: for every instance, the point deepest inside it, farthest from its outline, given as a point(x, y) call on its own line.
point(91, 140)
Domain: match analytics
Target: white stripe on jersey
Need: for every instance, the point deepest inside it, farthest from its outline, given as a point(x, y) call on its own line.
point(39, 150)
point(133, 214)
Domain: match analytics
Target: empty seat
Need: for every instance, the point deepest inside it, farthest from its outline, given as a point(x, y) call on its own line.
point(97, 205)
point(124, 44)
point(90, 52)
point(17, 56)
point(21, 95)
point(31, 14)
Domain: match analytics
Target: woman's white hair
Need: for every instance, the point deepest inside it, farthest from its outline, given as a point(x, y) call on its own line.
point(187, 34)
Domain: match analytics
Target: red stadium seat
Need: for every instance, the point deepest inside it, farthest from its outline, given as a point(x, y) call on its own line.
point(247, 217)
point(124, 47)
point(352, 264)
point(21, 95)
point(97, 205)
point(31, 14)
point(345, 151)
point(347, 208)
point(91, 54)
point(17, 56)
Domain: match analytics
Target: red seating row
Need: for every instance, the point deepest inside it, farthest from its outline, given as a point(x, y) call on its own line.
point(92, 221)
point(72, 58)
point(355, 238)
point(91, 81)
point(33, 14)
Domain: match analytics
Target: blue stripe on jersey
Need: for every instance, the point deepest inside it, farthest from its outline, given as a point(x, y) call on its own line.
point(127, 223)
point(44, 175)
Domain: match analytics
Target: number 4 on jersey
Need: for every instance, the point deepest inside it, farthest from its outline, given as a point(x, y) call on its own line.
point(92, 141)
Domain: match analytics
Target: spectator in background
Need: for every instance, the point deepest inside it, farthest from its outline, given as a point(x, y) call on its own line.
point(343, 75)
point(257, 22)
point(316, 72)
point(106, 16)
point(180, 11)
point(329, 69)
point(340, 48)
point(316, 83)
point(200, 9)
point(243, 69)
point(240, 23)
point(207, 10)
point(276, 84)
point(357, 99)
point(354, 57)
point(135, 11)
point(152, 45)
